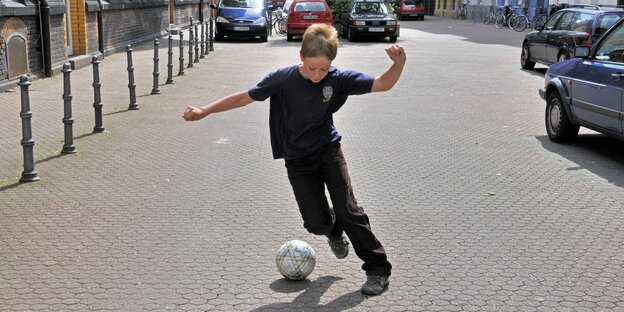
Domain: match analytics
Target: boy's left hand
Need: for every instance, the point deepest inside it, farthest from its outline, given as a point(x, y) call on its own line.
point(396, 54)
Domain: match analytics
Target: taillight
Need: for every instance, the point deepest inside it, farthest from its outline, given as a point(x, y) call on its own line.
point(586, 40)
point(291, 17)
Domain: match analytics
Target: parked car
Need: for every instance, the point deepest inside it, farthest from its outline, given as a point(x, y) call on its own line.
point(588, 90)
point(369, 18)
point(242, 18)
point(303, 13)
point(576, 25)
point(411, 9)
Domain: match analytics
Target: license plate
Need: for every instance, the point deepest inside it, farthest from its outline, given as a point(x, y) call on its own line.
point(239, 28)
point(309, 17)
point(376, 29)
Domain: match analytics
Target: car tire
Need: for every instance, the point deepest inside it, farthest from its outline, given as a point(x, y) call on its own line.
point(558, 125)
point(350, 35)
point(218, 38)
point(393, 38)
point(563, 56)
point(525, 57)
point(289, 38)
point(343, 32)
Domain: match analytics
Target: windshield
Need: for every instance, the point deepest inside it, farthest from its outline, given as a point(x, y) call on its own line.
point(376, 8)
point(241, 3)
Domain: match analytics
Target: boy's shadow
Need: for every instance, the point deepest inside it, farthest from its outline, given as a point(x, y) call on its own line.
point(311, 297)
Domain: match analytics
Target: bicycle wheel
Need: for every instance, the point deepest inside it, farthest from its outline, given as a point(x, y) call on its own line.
point(522, 22)
point(500, 21)
point(511, 22)
point(539, 20)
point(281, 27)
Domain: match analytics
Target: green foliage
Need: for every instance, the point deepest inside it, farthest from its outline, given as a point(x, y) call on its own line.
point(340, 6)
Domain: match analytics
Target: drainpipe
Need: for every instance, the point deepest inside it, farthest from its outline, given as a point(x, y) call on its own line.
point(44, 28)
point(100, 28)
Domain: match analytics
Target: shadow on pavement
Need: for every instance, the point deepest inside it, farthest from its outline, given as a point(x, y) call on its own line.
point(311, 297)
point(597, 153)
point(540, 71)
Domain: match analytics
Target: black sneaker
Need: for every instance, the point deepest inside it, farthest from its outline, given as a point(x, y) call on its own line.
point(340, 246)
point(375, 285)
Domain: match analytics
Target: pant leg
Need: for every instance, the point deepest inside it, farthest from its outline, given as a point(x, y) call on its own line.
point(307, 183)
point(349, 215)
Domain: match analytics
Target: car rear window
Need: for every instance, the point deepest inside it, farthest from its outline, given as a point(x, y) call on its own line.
point(310, 7)
point(605, 22)
point(242, 3)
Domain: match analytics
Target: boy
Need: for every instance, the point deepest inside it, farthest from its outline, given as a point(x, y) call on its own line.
point(303, 99)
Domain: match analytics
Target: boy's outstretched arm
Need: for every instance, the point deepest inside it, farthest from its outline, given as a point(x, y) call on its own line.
point(229, 102)
point(387, 80)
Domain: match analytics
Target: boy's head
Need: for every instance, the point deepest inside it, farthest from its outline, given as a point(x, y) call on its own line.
point(320, 40)
point(318, 49)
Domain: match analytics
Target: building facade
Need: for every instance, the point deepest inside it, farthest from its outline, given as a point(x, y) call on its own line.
point(38, 36)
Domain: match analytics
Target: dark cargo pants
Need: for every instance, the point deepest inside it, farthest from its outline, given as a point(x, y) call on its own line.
point(308, 177)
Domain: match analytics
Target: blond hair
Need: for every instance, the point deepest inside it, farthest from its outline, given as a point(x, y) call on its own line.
point(320, 40)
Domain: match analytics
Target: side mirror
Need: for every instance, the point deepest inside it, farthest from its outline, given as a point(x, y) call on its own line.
point(213, 6)
point(539, 27)
point(581, 52)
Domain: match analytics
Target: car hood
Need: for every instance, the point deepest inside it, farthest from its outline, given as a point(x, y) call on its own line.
point(242, 13)
point(373, 17)
point(565, 68)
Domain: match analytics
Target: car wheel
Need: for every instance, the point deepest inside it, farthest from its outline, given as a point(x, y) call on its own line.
point(563, 56)
point(289, 38)
point(393, 38)
point(264, 38)
point(218, 38)
point(558, 125)
point(343, 32)
point(525, 57)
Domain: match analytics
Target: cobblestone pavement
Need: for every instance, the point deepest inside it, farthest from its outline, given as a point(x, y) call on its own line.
point(477, 209)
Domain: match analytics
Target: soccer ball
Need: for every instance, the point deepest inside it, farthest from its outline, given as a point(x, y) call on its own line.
point(295, 260)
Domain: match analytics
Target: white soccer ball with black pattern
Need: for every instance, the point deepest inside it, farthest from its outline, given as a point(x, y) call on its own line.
point(295, 260)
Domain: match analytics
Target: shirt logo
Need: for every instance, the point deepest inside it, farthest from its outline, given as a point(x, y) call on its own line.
point(327, 93)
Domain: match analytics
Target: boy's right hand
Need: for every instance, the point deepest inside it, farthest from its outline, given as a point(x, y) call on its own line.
point(193, 113)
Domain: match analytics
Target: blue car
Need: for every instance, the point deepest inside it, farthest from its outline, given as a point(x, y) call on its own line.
point(242, 18)
point(587, 91)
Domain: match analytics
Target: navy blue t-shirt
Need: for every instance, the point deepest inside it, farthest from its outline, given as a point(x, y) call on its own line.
point(300, 117)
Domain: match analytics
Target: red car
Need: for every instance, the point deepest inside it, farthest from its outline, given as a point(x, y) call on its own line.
point(412, 9)
point(304, 13)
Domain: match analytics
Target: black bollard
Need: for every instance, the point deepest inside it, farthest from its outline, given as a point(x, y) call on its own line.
point(181, 58)
point(196, 44)
point(202, 41)
point(68, 147)
point(155, 89)
point(97, 102)
point(131, 86)
point(190, 52)
point(211, 33)
point(29, 174)
point(207, 38)
point(170, 61)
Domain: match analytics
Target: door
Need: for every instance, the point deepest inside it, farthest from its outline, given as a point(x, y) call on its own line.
point(538, 45)
point(598, 91)
point(555, 39)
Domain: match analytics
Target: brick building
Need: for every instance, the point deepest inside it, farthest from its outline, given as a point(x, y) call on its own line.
point(38, 36)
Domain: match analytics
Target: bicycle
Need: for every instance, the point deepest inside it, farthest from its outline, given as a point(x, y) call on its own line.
point(279, 22)
point(539, 18)
point(518, 22)
point(460, 13)
point(489, 17)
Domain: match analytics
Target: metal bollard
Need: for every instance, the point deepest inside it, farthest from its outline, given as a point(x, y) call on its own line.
point(68, 147)
point(211, 33)
point(207, 38)
point(97, 102)
point(131, 86)
point(181, 58)
point(170, 61)
point(190, 52)
point(196, 44)
point(202, 41)
point(155, 89)
point(29, 174)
